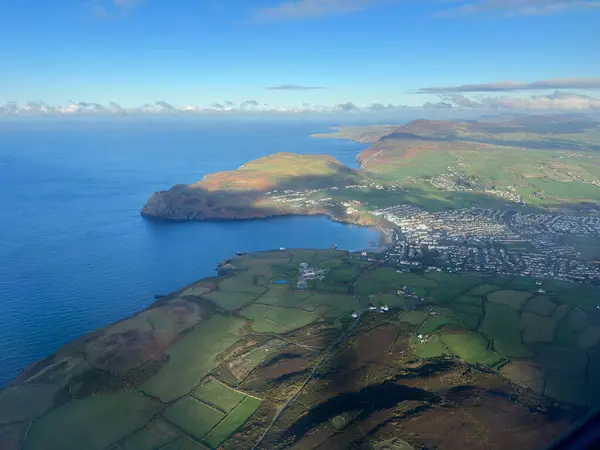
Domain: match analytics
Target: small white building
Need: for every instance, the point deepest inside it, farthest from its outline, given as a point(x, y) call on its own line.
point(354, 315)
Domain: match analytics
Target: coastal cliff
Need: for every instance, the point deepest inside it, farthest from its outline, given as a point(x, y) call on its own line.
point(257, 190)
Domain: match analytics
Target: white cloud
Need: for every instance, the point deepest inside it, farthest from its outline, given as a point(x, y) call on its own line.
point(514, 8)
point(558, 100)
point(438, 105)
point(505, 86)
point(310, 9)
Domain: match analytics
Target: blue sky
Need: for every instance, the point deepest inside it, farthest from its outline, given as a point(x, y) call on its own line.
point(203, 52)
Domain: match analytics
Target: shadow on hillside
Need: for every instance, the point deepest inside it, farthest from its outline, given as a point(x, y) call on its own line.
point(183, 203)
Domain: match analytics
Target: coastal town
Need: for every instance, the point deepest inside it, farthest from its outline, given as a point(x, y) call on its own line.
point(503, 242)
point(506, 241)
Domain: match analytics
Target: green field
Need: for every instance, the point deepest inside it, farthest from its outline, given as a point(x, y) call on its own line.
point(193, 416)
point(342, 275)
point(433, 323)
point(289, 299)
point(25, 402)
point(230, 301)
point(394, 300)
point(413, 317)
point(540, 305)
point(93, 422)
point(243, 282)
point(232, 422)
point(514, 299)
point(449, 286)
point(502, 325)
point(218, 395)
point(537, 328)
point(471, 347)
point(184, 443)
point(156, 434)
point(291, 318)
point(338, 303)
point(182, 373)
point(257, 313)
point(432, 348)
point(483, 289)
point(386, 279)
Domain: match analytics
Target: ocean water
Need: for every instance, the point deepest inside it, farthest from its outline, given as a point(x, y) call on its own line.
point(76, 255)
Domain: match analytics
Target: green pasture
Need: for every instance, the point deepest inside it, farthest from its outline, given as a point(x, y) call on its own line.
point(233, 422)
point(155, 435)
point(540, 305)
point(386, 279)
point(336, 302)
point(183, 443)
point(433, 323)
point(449, 286)
point(257, 312)
point(514, 299)
point(502, 325)
point(432, 348)
point(230, 301)
point(394, 300)
point(537, 328)
point(289, 299)
point(342, 275)
point(91, 423)
point(218, 395)
point(482, 289)
point(413, 317)
point(192, 357)
point(193, 416)
point(471, 348)
point(291, 318)
point(26, 401)
point(243, 282)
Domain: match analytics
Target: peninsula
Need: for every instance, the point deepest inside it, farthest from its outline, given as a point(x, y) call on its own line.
point(544, 162)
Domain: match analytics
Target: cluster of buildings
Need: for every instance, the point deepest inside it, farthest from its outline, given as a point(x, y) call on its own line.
point(382, 309)
point(310, 198)
point(499, 241)
point(306, 273)
point(457, 181)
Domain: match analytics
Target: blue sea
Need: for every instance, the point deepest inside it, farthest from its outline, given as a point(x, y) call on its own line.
point(75, 254)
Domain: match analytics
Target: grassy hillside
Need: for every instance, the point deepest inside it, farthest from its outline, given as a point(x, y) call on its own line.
point(282, 171)
point(537, 160)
